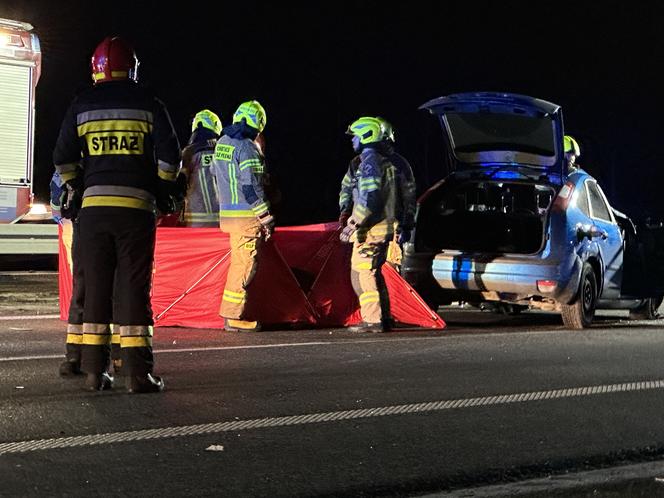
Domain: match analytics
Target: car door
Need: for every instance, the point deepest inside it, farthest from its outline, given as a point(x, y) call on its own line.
point(609, 239)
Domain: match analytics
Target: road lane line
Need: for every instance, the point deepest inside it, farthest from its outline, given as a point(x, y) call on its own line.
point(229, 348)
point(316, 418)
point(27, 317)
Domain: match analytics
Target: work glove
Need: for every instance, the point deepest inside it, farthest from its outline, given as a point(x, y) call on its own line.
point(71, 199)
point(166, 196)
point(348, 230)
point(166, 204)
point(267, 224)
point(343, 219)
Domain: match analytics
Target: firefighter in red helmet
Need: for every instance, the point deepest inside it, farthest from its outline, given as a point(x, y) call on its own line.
point(114, 60)
point(120, 137)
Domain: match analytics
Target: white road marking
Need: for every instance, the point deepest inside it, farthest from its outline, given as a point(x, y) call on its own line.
point(228, 348)
point(315, 418)
point(27, 317)
point(35, 357)
point(29, 273)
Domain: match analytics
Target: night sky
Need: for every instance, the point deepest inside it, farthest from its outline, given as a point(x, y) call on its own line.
point(316, 68)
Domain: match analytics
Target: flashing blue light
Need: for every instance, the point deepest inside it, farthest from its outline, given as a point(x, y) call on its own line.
point(507, 175)
point(491, 165)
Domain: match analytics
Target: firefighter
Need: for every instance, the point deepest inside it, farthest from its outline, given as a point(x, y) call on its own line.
point(406, 187)
point(406, 192)
point(244, 210)
point(72, 364)
point(65, 213)
point(370, 226)
point(202, 201)
point(123, 138)
point(572, 152)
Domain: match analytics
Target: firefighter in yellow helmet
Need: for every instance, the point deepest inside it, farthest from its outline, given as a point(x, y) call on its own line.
point(572, 152)
point(371, 224)
point(201, 207)
point(244, 210)
point(406, 192)
point(122, 138)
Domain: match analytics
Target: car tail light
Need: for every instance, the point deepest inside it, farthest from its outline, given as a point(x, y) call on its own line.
point(546, 285)
point(564, 197)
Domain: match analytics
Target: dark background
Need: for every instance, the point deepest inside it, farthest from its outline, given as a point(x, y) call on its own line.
point(317, 67)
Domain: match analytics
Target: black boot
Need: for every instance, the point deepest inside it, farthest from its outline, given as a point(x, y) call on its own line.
point(70, 368)
point(117, 366)
point(138, 384)
point(99, 382)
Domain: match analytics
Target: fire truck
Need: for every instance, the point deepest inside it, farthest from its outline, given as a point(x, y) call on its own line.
point(20, 68)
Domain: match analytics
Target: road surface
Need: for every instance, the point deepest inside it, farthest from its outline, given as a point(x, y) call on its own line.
point(466, 411)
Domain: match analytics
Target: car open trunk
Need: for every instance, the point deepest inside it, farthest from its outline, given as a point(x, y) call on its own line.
point(484, 216)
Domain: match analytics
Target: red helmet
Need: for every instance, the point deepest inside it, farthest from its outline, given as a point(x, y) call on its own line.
point(114, 59)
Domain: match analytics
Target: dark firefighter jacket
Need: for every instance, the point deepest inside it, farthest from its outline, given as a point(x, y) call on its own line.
point(122, 137)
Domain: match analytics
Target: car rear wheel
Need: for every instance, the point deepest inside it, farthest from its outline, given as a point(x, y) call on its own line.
point(580, 313)
point(648, 310)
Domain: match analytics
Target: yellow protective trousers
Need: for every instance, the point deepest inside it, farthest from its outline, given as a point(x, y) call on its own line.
point(246, 240)
point(368, 283)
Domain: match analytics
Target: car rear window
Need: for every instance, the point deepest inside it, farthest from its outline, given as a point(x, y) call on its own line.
point(477, 132)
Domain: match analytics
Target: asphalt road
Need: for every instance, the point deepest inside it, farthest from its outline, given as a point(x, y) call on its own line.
point(489, 400)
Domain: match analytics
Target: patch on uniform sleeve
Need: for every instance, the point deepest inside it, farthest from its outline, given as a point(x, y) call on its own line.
point(206, 159)
point(224, 152)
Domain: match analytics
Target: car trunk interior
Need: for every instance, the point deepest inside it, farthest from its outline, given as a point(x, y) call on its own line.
point(484, 216)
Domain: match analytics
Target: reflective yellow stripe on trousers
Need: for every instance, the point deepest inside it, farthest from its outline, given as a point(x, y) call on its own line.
point(234, 297)
point(74, 333)
point(136, 336)
point(96, 334)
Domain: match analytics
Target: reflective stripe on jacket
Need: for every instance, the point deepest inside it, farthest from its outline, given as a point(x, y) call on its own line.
point(123, 138)
point(405, 186)
point(202, 201)
point(374, 195)
point(348, 184)
point(240, 168)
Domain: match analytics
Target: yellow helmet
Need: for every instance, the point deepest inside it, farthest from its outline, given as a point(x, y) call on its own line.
point(369, 130)
point(571, 146)
point(252, 113)
point(388, 131)
point(207, 119)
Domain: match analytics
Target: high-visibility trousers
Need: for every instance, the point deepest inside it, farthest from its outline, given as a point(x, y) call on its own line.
point(246, 239)
point(368, 257)
point(117, 255)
